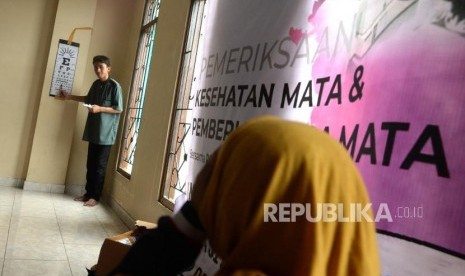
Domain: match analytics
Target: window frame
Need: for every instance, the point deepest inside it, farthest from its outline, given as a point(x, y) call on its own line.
point(148, 25)
point(182, 84)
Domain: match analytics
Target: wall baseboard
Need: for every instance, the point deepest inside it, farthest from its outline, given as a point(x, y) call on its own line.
point(11, 182)
point(75, 190)
point(44, 187)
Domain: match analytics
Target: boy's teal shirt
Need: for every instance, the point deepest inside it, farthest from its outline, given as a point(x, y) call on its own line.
point(101, 128)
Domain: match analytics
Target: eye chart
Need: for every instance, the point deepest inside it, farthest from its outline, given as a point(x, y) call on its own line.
point(65, 67)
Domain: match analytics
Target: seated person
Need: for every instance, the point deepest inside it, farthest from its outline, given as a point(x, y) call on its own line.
point(266, 160)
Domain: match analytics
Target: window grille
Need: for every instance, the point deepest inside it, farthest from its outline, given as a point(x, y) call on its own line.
point(138, 88)
point(173, 183)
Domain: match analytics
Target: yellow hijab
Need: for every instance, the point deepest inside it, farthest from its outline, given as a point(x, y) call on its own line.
point(269, 160)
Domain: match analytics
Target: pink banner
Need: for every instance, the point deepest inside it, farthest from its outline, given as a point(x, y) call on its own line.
point(391, 88)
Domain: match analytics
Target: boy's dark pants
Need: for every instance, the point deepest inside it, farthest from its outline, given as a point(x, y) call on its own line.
point(97, 159)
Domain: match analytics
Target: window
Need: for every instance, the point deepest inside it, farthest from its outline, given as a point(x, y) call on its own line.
point(173, 183)
point(137, 93)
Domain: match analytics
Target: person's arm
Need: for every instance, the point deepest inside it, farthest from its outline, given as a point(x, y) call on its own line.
point(169, 249)
point(63, 96)
point(94, 109)
point(102, 109)
point(75, 98)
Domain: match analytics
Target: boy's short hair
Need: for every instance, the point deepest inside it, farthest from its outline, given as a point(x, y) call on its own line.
point(101, 59)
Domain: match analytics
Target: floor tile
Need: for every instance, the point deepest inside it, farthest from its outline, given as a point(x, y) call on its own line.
point(82, 257)
point(82, 232)
point(7, 196)
point(3, 240)
point(401, 257)
point(5, 215)
point(36, 250)
point(61, 199)
point(110, 222)
point(74, 210)
point(114, 228)
point(38, 209)
point(4, 232)
point(32, 197)
point(2, 249)
point(34, 229)
point(35, 267)
point(51, 234)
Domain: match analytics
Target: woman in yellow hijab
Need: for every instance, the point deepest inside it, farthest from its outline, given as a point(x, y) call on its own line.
point(269, 160)
point(247, 201)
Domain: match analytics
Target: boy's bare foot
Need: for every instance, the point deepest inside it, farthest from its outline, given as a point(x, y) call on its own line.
point(81, 198)
point(90, 203)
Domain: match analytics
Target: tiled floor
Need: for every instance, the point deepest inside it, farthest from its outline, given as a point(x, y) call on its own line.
point(50, 234)
point(403, 258)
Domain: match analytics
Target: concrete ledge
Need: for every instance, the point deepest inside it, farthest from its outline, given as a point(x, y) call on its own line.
point(44, 187)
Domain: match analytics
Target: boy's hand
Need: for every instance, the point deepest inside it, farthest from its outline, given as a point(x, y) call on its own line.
point(95, 109)
point(62, 95)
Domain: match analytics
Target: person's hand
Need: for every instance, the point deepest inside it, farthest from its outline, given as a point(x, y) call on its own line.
point(95, 109)
point(62, 95)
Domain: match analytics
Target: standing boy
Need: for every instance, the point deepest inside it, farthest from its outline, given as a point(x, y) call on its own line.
point(106, 104)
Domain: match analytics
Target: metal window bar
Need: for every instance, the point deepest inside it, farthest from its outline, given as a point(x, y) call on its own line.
point(138, 88)
point(173, 185)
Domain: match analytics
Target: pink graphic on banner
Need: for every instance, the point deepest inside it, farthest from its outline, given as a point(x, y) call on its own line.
point(396, 100)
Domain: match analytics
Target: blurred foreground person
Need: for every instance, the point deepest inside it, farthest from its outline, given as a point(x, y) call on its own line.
point(266, 162)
